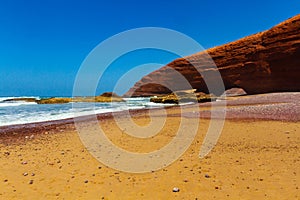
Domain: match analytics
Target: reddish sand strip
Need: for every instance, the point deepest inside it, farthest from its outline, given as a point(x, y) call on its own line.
point(274, 106)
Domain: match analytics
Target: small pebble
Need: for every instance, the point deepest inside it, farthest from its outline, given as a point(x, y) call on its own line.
point(207, 176)
point(175, 189)
point(31, 182)
point(32, 174)
point(5, 180)
point(25, 174)
point(24, 163)
point(86, 181)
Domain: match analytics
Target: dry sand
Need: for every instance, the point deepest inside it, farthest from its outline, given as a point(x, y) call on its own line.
point(253, 159)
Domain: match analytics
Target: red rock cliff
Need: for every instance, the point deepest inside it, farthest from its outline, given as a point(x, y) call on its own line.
point(265, 62)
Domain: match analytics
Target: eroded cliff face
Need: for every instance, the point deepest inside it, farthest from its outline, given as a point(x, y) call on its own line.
point(265, 62)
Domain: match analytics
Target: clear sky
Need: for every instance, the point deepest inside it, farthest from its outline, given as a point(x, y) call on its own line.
point(43, 42)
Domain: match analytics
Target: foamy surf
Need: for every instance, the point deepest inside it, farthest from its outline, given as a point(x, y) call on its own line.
point(16, 104)
point(21, 112)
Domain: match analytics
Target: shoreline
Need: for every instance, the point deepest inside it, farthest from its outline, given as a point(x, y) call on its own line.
point(283, 107)
point(11, 132)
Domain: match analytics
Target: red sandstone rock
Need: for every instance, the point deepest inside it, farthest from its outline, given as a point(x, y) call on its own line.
point(264, 62)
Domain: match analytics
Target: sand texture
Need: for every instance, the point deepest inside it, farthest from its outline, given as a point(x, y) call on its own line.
point(253, 159)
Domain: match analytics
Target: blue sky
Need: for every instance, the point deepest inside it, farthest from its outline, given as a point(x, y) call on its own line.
point(43, 43)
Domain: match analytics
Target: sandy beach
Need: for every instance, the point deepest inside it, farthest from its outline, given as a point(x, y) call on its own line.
point(158, 100)
point(256, 157)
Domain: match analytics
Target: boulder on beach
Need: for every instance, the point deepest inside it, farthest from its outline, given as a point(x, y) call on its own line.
point(233, 92)
point(183, 96)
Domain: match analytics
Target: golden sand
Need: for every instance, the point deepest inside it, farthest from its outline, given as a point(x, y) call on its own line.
point(252, 160)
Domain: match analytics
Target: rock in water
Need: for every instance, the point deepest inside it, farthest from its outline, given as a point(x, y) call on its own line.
point(105, 97)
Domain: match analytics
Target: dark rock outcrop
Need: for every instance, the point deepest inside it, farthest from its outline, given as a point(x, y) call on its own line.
point(264, 62)
point(20, 99)
point(184, 96)
point(109, 94)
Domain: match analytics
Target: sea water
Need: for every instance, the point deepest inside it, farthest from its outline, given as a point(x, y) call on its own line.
point(21, 112)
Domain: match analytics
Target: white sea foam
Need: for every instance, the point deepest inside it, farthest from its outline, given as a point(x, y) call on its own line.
point(18, 112)
point(4, 103)
point(19, 103)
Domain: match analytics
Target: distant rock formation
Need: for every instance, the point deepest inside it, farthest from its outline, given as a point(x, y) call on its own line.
point(20, 99)
point(105, 97)
point(54, 100)
point(264, 62)
point(109, 94)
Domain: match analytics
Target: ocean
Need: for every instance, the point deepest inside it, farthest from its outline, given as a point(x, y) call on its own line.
point(21, 112)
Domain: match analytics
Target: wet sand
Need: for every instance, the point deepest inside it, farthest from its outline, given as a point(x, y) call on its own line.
point(256, 157)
